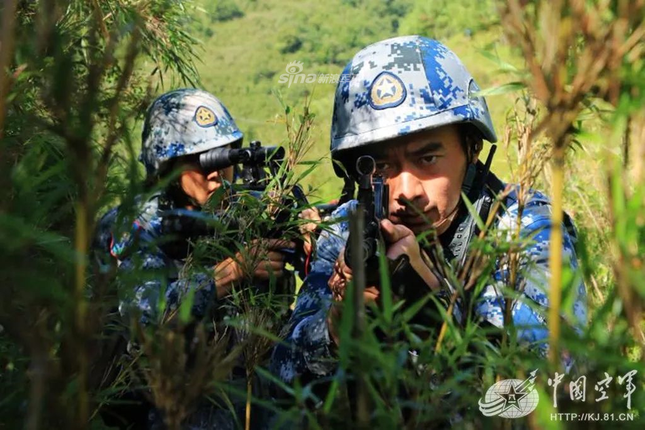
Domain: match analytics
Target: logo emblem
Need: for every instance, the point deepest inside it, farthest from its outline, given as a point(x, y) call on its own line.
point(387, 91)
point(294, 67)
point(510, 398)
point(204, 117)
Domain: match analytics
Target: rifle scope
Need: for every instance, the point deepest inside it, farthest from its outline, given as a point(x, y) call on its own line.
point(221, 158)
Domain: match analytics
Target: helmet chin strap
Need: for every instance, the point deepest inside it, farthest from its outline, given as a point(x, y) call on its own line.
point(469, 181)
point(471, 174)
point(447, 218)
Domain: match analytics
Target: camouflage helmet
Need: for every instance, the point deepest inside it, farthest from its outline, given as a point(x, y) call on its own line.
point(400, 86)
point(183, 122)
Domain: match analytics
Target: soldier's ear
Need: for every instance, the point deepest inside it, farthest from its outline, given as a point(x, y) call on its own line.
point(189, 178)
point(473, 144)
point(476, 146)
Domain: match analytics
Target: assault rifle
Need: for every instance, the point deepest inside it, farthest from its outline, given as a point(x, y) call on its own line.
point(259, 166)
point(373, 197)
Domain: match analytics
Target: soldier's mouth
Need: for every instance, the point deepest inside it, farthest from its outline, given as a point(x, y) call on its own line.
point(412, 221)
point(414, 225)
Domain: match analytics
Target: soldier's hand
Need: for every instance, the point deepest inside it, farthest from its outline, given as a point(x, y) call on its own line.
point(401, 240)
point(337, 283)
point(271, 261)
point(265, 258)
point(308, 229)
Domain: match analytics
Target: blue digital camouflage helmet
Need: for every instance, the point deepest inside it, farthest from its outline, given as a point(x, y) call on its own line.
point(400, 86)
point(184, 122)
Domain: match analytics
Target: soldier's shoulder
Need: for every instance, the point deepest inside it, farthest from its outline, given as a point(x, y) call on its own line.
point(141, 222)
point(534, 209)
point(338, 221)
point(104, 228)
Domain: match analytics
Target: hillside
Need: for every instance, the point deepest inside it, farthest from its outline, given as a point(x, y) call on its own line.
point(247, 45)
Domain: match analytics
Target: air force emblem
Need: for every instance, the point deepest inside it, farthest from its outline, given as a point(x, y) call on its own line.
point(205, 117)
point(510, 398)
point(387, 91)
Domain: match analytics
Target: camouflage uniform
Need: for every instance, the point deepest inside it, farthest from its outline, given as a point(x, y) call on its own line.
point(307, 347)
point(178, 123)
point(389, 89)
point(138, 249)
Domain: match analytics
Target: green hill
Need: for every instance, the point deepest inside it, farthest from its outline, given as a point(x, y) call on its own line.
point(247, 45)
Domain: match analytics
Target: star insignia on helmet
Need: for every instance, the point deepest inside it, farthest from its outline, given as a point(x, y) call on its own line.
point(387, 90)
point(205, 117)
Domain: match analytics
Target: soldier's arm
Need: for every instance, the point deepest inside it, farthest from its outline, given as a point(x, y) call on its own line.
point(306, 349)
point(529, 310)
point(145, 292)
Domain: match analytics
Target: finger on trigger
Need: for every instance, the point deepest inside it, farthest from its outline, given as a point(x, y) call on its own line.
point(393, 232)
point(278, 244)
point(275, 256)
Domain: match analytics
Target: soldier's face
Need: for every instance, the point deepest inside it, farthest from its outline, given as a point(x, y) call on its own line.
point(200, 186)
point(424, 172)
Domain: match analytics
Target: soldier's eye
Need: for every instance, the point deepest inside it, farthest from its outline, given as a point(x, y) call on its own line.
point(382, 168)
point(428, 160)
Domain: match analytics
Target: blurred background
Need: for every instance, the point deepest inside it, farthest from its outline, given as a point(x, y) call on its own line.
point(246, 46)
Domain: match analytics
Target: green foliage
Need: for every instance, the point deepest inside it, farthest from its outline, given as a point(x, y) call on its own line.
point(441, 19)
point(223, 10)
point(80, 72)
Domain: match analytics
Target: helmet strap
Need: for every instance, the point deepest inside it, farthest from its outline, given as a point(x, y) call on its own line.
point(469, 178)
point(480, 176)
point(348, 190)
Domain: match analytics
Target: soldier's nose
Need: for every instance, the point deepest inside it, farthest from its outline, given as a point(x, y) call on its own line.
point(407, 188)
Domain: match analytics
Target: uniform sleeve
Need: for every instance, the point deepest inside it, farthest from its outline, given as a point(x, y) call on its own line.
point(306, 349)
point(147, 292)
point(530, 308)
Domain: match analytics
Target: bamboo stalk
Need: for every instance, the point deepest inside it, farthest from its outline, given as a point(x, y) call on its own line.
point(555, 253)
point(249, 392)
point(80, 307)
point(6, 53)
point(356, 227)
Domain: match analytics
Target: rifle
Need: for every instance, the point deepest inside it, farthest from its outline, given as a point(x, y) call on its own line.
point(373, 197)
point(259, 165)
point(254, 159)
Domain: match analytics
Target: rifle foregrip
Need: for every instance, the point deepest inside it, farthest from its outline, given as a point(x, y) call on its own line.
point(369, 252)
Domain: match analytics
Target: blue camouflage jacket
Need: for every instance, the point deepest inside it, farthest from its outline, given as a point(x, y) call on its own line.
point(136, 246)
point(152, 284)
point(306, 349)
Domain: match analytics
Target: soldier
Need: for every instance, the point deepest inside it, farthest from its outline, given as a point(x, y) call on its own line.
point(410, 103)
point(179, 126)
